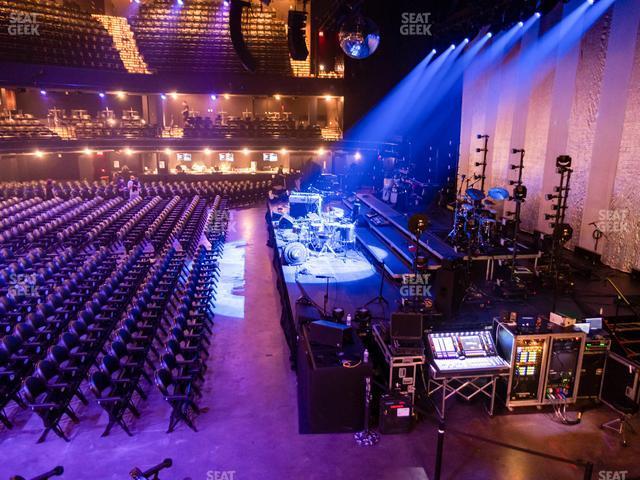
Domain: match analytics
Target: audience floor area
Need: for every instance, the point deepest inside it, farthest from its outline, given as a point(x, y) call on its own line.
point(248, 427)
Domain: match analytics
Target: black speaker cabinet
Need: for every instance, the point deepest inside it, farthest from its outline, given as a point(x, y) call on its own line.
point(297, 22)
point(395, 413)
point(331, 334)
point(449, 289)
point(237, 38)
point(330, 396)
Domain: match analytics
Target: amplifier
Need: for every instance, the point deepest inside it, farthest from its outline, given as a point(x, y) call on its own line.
point(301, 204)
point(395, 414)
point(323, 332)
point(592, 372)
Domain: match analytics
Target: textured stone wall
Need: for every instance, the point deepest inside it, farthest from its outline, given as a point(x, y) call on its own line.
point(562, 108)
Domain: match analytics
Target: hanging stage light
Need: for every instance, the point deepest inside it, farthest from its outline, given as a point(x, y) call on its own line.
point(563, 161)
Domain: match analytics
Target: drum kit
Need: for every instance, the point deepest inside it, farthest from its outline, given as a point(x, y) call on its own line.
point(329, 233)
point(478, 219)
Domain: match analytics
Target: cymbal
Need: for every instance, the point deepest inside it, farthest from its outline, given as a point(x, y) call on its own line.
point(498, 193)
point(474, 194)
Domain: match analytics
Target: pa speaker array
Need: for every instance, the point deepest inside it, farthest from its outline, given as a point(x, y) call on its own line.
point(296, 35)
point(237, 38)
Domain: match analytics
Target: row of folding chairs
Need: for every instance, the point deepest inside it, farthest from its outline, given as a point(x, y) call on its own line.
point(192, 225)
point(27, 283)
point(215, 230)
point(49, 393)
point(41, 328)
point(118, 379)
point(190, 314)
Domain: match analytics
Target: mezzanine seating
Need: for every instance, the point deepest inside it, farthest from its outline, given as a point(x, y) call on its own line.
point(65, 36)
point(196, 38)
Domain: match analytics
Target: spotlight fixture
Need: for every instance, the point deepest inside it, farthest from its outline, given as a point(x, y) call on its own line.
point(43, 92)
point(87, 151)
point(327, 98)
point(213, 97)
point(321, 151)
point(174, 95)
point(245, 151)
point(357, 156)
point(452, 46)
point(38, 154)
point(207, 151)
point(101, 94)
point(283, 151)
point(180, 2)
point(277, 97)
point(563, 161)
point(128, 151)
point(163, 96)
point(538, 14)
point(434, 51)
point(226, 96)
point(489, 34)
point(321, 67)
point(321, 33)
point(563, 232)
point(521, 24)
point(168, 151)
point(466, 40)
point(226, 3)
point(120, 94)
point(520, 192)
point(591, 2)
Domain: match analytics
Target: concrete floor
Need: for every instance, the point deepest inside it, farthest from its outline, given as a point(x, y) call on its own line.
point(249, 423)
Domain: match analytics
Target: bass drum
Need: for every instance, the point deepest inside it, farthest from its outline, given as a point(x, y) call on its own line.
point(295, 254)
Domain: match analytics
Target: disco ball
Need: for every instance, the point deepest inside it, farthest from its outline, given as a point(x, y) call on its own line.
point(359, 37)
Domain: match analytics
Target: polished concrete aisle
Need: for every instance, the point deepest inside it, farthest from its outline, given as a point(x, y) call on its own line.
point(248, 429)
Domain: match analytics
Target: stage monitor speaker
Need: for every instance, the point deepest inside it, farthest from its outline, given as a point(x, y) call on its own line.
point(237, 38)
point(297, 23)
point(331, 334)
point(449, 289)
point(635, 274)
point(588, 255)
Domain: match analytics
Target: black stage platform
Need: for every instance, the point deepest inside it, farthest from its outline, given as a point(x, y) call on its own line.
point(383, 251)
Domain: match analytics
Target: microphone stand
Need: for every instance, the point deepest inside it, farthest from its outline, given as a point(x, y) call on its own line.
point(152, 473)
point(367, 437)
point(379, 299)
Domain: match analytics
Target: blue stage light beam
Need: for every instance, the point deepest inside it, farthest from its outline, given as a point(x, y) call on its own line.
point(457, 70)
point(559, 39)
point(398, 96)
point(434, 89)
point(500, 46)
point(384, 117)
